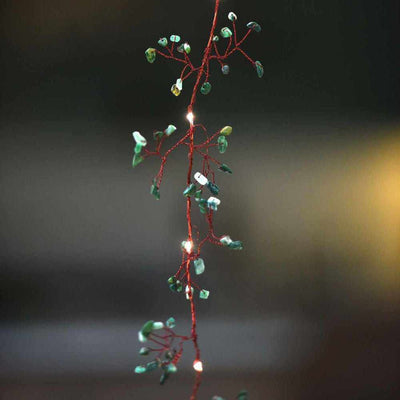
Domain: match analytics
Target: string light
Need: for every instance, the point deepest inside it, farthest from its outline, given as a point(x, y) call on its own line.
point(198, 365)
point(190, 117)
point(188, 246)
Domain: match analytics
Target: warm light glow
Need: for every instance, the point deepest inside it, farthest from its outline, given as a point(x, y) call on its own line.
point(188, 246)
point(198, 365)
point(190, 117)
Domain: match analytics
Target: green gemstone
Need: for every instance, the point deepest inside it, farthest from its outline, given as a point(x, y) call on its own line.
point(190, 190)
point(147, 328)
point(140, 369)
point(175, 38)
point(187, 48)
point(254, 26)
point(164, 377)
point(197, 195)
point(205, 88)
point(212, 187)
point(138, 148)
point(215, 38)
point(222, 144)
point(225, 69)
point(259, 69)
point(243, 395)
point(213, 203)
point(137, 159)
point(225, 168)
point(232, 16)
point(163, 42)
point(151, 54)
point(199, 266)
point(236, 245)
point(226, 130)
point(226, 32)
point(144, 351)
point(204, 294)
point(170, 322)
point(154, 190)
point(172, 368)
point(151, 366)
point(170, 130)
point(176, 286)
point(158, 135)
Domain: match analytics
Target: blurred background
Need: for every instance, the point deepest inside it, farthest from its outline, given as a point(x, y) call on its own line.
point(309, 309)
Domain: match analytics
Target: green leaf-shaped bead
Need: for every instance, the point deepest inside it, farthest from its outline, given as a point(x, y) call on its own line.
point(212, 187)
point(136, 160)
point(222, 144)
point(158, 135)
point(144, 351)
point(205, 88)
point(138, 148)
point(225, 168)
point(236, 245)
point(154, 190)
point(147, 328)
point(163, 42)
point(226, 32)
point(190, 190)
point(151, 366)
point(254, 26)
point(259, 69)
point(151, 54)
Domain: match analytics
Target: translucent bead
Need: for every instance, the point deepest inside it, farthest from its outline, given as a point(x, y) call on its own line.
point(158, 325)
point(232, 16)
point(226, 32)
point(199, 266)
point(225, 168)
point(190, 190)
point(259, 69)
point(225, 69)
point(139, 139)
point(222, 144)
point(213, 188)
point(204, 294)
point(144, 351)
point(215, 38)
point(170, 322)
point(254, 26)
point(188, 291)
point(213, 203)
point(137, 159)
point(175, 38)
point(141, 337)
point(151, 54)
point(140, 369)
point(138, 148)
point(151, 366)
point(175, 90)
point(205, 88)
point(200, 178)
point(179, 83)
point(172, 368)
point(187, 48)
point(236, 245)
point(170, 130)
point(226, 130)
point(225, 240)
point(180, 48)
point(154, 190)
point(163, 42)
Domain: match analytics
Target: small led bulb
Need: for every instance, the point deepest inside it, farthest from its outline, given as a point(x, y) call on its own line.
point(190, 117)
point(198, 365)
point(200, 178)
point(187, 245)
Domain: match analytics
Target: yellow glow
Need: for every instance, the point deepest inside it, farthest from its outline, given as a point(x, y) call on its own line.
point(190, 117)
point(198, 365)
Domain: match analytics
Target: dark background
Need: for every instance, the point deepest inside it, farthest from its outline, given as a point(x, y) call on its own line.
point(309, 309)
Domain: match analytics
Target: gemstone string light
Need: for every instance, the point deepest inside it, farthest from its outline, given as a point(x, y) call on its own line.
point(199, 189)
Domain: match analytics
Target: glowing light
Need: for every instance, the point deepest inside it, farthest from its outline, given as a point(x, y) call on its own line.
point(190, 117)
point(188, 246)
point(198, 365)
